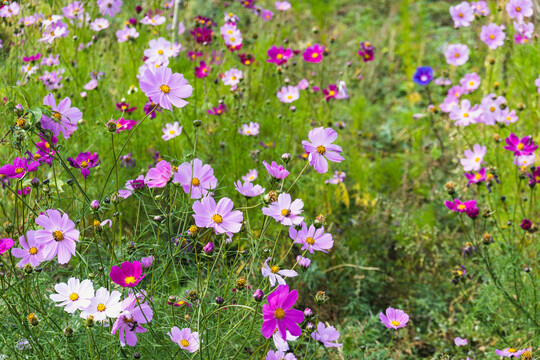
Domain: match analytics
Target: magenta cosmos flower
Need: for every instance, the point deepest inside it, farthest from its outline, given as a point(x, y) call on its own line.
point(279, 314)
point(219, 217)
point(31, 252)
point(64, 118)
point(312, 239)
point(468, 207)
point(5, 244)
point(314, 53)
point(394, 318)
point(158, 176)
point(276, 171)
point(202, 70)
point(328, 336)
point(58, 236)
point(523, 146)
point(19, 168)
point(165, 88)
point(85, 161)
point(125, 124)
point(493, 35)
point(279, 55)
point(456, 54)
point(195, 178)
point(285, 211)
point(321, 149)
point(134, 313)
point(128, 274)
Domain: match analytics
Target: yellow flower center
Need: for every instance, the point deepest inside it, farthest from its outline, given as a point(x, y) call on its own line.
point(321, 149)
point(193, 229)
point(477, 159)
point(274, 269)
point(74, 297)
point(33, 250)
point(233, 77)
point(461, 207)
point(460, 15)
point(217, 218)
point(130, 280)
point(97, 223)
point(332, 93)
point(492, 36)
point(518, 9)
point(286, 212)
point(477, 176)
point(512, 350)
point(457, 55)
point(84, 164)
point(184, 343)
point(171, 132)
point(58, 236)
point(57, 115)
point(466, 115)
point(279, 56)
point(247, 62)
point(52, 33)
point(195, 182)
point(314, 55)
point(492, 109)
point(289, 97)
point(165, 89)
point(310, 240)
point(279, 313)
point(160, 52)
point(520, 146)
point(101, 308)
point(471, 83)
point(19, 170)
point(395, 323)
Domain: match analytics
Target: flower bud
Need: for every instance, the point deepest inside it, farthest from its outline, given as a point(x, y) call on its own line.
point(310, 327)
point(111, 126)
point(23, 124)
point(137, 355)
point(95, 205)
point(241, 283)
point(319, 221)
point(35, 182)
point(270, 197)
point(321, 297)
point(28, 269)
point(308, 313)
point(32, 319)
point(90, 321)
point(209, 248)
point(193, 230)
point(197, 123)
point(450, 187)
point(258, 295)
point(171, 300)
point(219, 300)
point(303, 262)
point(192, 295)
point(68, 332)
point(286, 158)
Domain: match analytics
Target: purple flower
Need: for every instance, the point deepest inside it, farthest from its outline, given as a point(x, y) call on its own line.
point(534, 176)
point(131, 186)
point(493, 35)
point(195, 178)
point(526, 224)
point(303, 262)
point(460, 342)
point(248, 189)
point(109, 7)
point(481, 8)
point(169, 89)
point(279, 314)
point(314, 53)
point(134, 313)
point(279, 55)
point(321, 149)
point(285, 211)
point(186, 339)
point(219, 217)
point(127, 161)
point(312, 239)
point(278, 172)
point(275, 274)
point(31, 252)
point(85, 161)
point(517, 9)
point(327, 335)
point(523, 146)
point(202, 70)
point(470, 82)
point(423, 75)
point(218, 111)
point(462, 14)
point(456, 54)
point(19, 168)
point(128, 274)
point(159, 176)
point(5, 244)
point(394, 318)
point(146, 262)
point(58, 236)
point(510, 352)
point(367, 51)
point(468, 207)
point(209, 248)
point(64, 118)
point(476, 178)
point(124, 107)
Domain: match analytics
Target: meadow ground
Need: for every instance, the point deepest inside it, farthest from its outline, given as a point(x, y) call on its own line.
point(406, 128)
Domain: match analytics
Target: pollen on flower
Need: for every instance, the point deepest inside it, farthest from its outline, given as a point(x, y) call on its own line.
point(461, 207)
point(171, 132)
point(310, 240)
point(274, 269)
point(33, 250)
point(321, 149)
point(57, 235)
point(395, 323)
point(184, 343)
point(74, 297)
point(466, 115)
point(279, 313)
point(286, 212)
point(130, 280)
point(315, 55)
point(84, 164)
point(520, 146)
point(477, 159)
point(160, 52)
point(279, 56)
point(195, 182)
point(165, 89)
point(217, 218)
point(19, 170)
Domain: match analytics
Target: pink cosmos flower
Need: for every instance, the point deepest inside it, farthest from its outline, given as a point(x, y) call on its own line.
point(327, 335)
point(134, 313)
point(312, 239)
point(73, 10)
point(56, 30)
point(131, 186)
point(470, 82)
point(523, 146)
point(524, 160)
point(493, 35)
point(476, 178)
point(288, 94)
point(275, 274)
point(195, 178)
point(124, 124)
point(248, 189)
point(468, 207)
point(314, 53)
point(218, 111)
point(279, 314)
point(462, 14)
point(128, 274)
point(103, 305)
point(517, 9)
point(202, 70)
point(465, 114)
point(394, 318)
point(251, 175)
point(154, 20)
point(186, 339)
point(510, 352)
point(302, 84)
point(73, 295)
point(127, 33)
point(5, 244)
point(282, 5)
point(64, 118)
point(58, 236)
point(84, 161)
point(109, 7)
point(158, 176)
point(31, 252)
point(456, 54)
point(508, 116)
point(285, 211)
point(232, 77)
point(474, 159)
point(91, 85)
point(524, 32)
point(276, 171)
point(251, 129)
point(279, 354)
point(219, 217)
point(146, 262)
point(321, 149)
point(481, 8)
point(279, 55)
point(99, 24)
point(460, 342)
point(167, 88)
point(170, 131)
point(19, 168)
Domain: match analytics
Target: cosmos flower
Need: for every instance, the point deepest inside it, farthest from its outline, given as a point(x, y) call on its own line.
point(473, 159)
point(99, 24)
point(103, 305)
point(64, 118)
point(510, 352)
point(248, 189)
point(202, 70)
point(195, 178)
point(159, 175)
point(328, 336)
point(251, 129)
point(314, 53)
point(460, 342)
point(128, 274)
point(470, 82)
point(31, 252)
point(5, 244)
point(109, 7)
point(279, 314)
point(218, 111)
point(491, 109)
point(282, 5)
point(58, 236)
point(394, 318)
point(153, 20)
point(523, 146)
point(219, 217)
point(75, 295)
point(19, 168)
point(456, 54)
point(275, 274)
point(468, 207)
point(462, 14)
point(279, 355)
point(276, 171)
point(312, 239)
point(84, 161)
point(124, 124)
point(251, 175)
point(285, 211)
point(477, 178)
point(128, 324)
point(146, 262)
point(56, 30)
point(246, 59)
point(518, 9)
point(524, 160)
point(131, 186)
point(126, 34)
point(170, 131)
point(169, 89)
point(423, 75)
point(232, 77)
point(279, 55)
point(321, 149)
point(367, 51)
point(186, 339)
point(493, 35)
point(124, 107)
point(480, 8)
point(288, 94)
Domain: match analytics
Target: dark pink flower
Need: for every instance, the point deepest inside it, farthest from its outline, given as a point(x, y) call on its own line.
point(314, 53)
point(279, 314)
point(128, 274)
point(85, 161)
